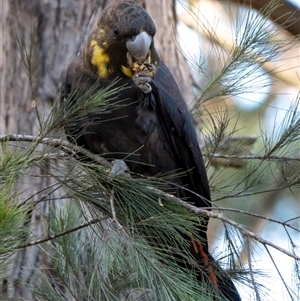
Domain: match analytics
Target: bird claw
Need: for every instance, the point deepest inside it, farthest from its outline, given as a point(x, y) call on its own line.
point(119, 167)
point(142, 80)
point(150, 67)
point(142, 74)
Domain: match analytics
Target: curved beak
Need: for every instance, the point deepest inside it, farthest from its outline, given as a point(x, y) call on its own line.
point(138, 46)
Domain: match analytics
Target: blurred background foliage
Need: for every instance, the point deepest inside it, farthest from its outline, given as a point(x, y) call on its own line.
point(252, 63)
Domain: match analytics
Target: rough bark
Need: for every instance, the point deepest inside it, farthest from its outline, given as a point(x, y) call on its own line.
point(164, 14)
point(53, 31)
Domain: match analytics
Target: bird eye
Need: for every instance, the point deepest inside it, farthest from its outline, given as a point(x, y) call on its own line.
point(116, 31)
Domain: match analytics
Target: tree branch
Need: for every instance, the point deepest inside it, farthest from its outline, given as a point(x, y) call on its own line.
point(58, 143)
point(286, 14)
point(208, 213)
point(65, 144)
point(97, 158)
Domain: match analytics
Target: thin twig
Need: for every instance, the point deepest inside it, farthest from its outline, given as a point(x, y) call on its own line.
point(113, 210)
point(278, 271)
point(255, 157)
point(40, 191)
point(252, 214)
point(54, 236)
point(241, 194)
point(291, 219)
point(254, 285)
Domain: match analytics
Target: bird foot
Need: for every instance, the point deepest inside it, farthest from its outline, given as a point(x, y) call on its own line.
point(119, 167)
point(142, 80)
point(142, 73)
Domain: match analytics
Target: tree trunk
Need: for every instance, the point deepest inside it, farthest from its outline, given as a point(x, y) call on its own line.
point(39, 38)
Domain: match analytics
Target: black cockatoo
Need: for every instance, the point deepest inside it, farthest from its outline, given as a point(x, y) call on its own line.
point(153, 132)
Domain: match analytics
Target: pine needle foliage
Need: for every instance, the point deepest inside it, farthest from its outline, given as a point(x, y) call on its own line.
point(13, 216)
point(106, 235)
point(255, 42)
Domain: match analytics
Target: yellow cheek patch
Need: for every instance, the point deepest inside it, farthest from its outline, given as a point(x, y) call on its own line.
point(127, 71)
point(93, 43)
point(99, 59)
